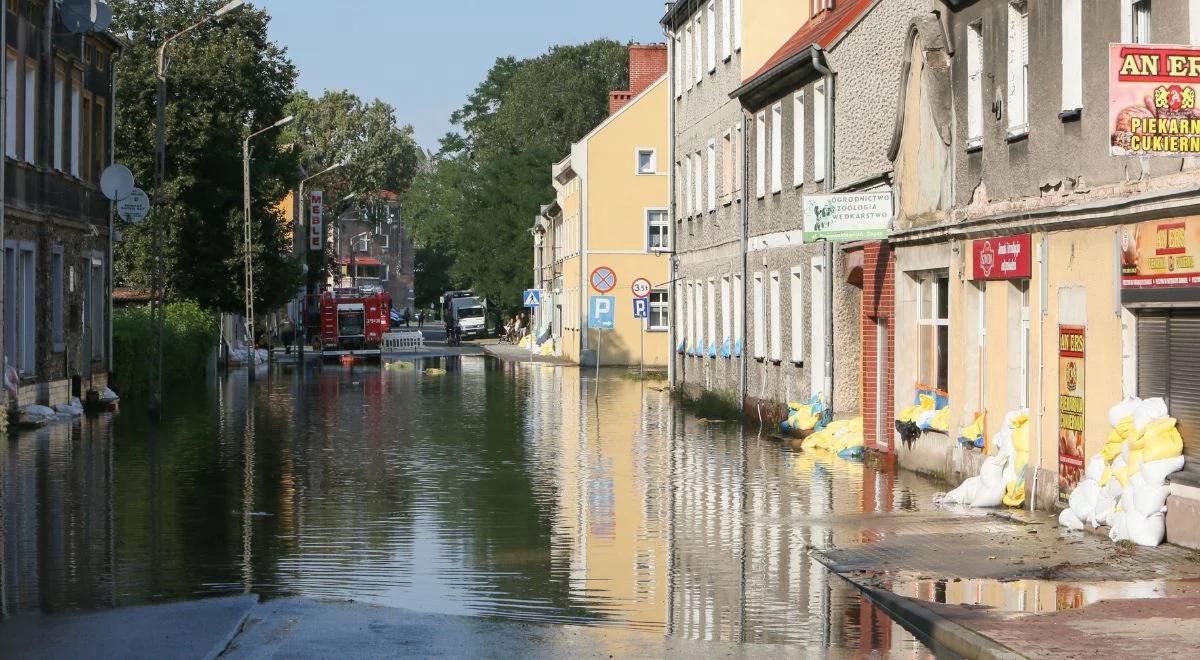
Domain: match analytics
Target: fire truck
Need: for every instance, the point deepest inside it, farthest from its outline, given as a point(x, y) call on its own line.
point(353, 322)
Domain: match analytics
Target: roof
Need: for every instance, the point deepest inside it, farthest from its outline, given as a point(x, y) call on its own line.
point(359, 261)
point(129, 294)
point(680, 9)
point(820, 31)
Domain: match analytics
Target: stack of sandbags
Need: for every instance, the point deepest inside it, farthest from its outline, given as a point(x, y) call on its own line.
point(924, 415)
point(1001, 478)
point(972, 434)
point(805, 417)
point(1125, 485)
point(843, 437)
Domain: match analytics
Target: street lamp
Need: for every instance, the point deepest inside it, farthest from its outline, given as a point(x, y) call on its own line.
point(249, 275)
point(302, 230)
point(157, 288)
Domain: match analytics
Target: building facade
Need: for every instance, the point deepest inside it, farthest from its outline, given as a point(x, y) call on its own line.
point(374, 250)
point(609, 227)
point(57, 224)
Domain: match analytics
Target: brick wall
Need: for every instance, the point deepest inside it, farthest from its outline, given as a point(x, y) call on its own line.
point(878, 301)
point(647, 63)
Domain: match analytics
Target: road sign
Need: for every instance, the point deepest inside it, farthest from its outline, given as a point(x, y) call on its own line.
point(641, 308)
point(533, 297)
point(604, 279)
point(601, 312)
point(135, 207)
point(641, 287)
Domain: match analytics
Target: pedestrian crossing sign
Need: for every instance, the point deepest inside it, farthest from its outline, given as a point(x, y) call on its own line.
point(533, 298)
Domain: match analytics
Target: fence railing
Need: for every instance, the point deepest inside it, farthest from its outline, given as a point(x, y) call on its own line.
point(400, 342)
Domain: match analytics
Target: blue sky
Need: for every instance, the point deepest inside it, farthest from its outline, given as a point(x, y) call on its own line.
point(425, 57)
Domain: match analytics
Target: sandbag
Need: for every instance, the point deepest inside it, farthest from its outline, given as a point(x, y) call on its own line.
point(1095, 468)
point(1105, 506)
point(1069, 520)
point(1083, 498)
point(1148, 531)
point(1148, 500)
point(1122, 410)
point(1014, 495)
point(973, 432)
point(1163, 445)
point(1114, 488)
point(1119, 531)
point(924, 419)
point(1156, 472)
point(1148, 411)
point(984, 491)
point(941, 420)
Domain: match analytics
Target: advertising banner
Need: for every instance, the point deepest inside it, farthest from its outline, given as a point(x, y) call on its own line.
point(1152, 100)
point(316, 232)
point(1161, 254)
point(1071, 347)
point(1005, 258)
point(847, 216)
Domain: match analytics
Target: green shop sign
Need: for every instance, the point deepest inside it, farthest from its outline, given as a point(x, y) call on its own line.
point(861, 216)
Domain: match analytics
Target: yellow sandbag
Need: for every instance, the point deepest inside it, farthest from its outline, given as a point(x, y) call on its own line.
point(1110, 452)
point(974, 429)
point(1135, 462)
point(1123, 475)
point(909, 413)
point(1158, 426)
point(1014, 492)
point(1107, 476)
point(1163, 445)
point(941, 421)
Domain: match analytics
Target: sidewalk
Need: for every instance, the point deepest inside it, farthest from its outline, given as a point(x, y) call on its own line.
point(513, 353)
point(1010, 584)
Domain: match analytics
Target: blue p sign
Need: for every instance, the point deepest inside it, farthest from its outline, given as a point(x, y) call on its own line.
point(601, 312)
point(641, 308)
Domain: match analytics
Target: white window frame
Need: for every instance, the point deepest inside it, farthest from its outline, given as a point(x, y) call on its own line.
point(819, 131)
point(60, 117)
point(797, 304)
point(637, 161)
point(699, 183)
point(1018, 67)
point(20, 306)
point(739, 313)
point(712, 176)
point(760, 319)
point(726, 313)
point(737, 26)
point(678, 59)
point(712, 37)
point(975, 85)
point(688, 45)
point(11, 115)
point(798, 139)
point(689, 316)
point(698, 292)
point(663, 308)
point(689, 206)
point(927, 286)
point(727, 31)
point(776, 319)
point(777, 148)
point(1136, 21)
point(699, 51)
point(760, 154)
point(711, 307)
point(664, 224)
point(31, 107)
point(1072, 55)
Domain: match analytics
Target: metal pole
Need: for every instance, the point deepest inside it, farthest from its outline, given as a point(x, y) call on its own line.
point(599, 348)
point(3, 163)
point(642, 349)
point(531, 339)
point(251, 345)
point(157, 293)
point(302, 240)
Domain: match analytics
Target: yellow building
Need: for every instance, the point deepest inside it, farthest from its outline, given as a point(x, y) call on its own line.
point(609, 220)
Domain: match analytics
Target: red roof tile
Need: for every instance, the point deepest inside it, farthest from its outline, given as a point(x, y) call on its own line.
point(360, 261)
point(821, 31)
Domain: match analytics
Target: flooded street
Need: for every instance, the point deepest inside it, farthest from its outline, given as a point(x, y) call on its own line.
point(497, 489)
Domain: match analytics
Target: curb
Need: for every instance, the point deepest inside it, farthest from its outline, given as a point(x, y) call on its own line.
point(928, 625)
point(223, 645)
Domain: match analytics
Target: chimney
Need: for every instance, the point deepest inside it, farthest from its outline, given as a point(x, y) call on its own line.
point(647, 63)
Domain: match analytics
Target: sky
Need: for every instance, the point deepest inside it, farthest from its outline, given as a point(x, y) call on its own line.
point(425, 57)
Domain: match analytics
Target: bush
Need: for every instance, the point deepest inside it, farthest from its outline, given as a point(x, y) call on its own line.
point(189, 335)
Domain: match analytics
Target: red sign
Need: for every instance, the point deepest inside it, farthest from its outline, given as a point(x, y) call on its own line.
point(1161, 254)
point(1005, 258)
point(604, 279)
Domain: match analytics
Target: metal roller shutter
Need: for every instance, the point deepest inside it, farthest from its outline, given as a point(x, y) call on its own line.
point(1169, 367)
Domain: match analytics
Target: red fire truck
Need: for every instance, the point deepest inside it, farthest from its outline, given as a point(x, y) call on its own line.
point(353, 322)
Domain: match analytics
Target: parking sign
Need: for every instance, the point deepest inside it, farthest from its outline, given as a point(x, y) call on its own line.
point(601, 312)
point(641, 308)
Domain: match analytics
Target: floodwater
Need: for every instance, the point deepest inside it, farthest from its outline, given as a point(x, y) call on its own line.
point(509, 490)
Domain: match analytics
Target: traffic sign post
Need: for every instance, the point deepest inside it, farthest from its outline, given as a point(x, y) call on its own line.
point(533, 301)
point(641, 287)
point(601, 317)
point(604, 279)
point(641, 311)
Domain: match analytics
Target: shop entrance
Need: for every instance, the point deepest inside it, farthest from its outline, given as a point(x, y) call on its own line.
point(1168, 366)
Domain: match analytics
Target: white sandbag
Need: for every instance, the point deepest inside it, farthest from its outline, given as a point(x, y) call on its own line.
point(1136, 480)
point(1068, 519)
point(109, 396)
point(1124, 457)
point(1150, 410)
point(1083, 498)
point(1119, 462)
point(992, 470)
point(1095, 468)
point(1149, 500)
point(1147, 531)
point(1122, 410)
point(1106, 504)
point(925, 419)
point(1114, 488)
point(1120, 529)
point(1156, 472)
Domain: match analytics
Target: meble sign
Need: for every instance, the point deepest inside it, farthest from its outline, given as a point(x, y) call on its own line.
point(1004, 258)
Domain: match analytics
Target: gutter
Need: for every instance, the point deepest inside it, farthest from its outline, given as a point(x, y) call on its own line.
point(830, 141)
point(780, 79)
point(672, 182)
point(745, 366)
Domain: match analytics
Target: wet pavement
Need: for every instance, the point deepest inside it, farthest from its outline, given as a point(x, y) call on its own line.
point(524, 494)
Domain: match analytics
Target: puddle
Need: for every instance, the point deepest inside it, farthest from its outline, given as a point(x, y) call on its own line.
point(1024, 596)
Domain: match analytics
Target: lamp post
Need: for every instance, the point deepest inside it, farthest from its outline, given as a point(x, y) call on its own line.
point(251, 344)
point(303, 229)
point(157, 287)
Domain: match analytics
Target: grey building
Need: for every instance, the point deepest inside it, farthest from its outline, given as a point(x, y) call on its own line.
point(375, 251)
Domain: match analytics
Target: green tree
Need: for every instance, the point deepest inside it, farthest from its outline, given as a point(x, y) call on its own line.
point(224, 80)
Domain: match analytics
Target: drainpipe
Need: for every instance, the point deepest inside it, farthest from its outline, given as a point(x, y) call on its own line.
point(830, 184)
point(672, 182)
point(1043, 258)
point(112, 158)
point(745, 256)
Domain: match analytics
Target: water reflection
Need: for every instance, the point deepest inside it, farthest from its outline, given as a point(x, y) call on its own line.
point(514, 490)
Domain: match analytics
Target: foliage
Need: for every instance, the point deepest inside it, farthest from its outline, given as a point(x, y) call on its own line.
point(223, 79)
point(476, 200)
point(189, 334)
point(713, 405)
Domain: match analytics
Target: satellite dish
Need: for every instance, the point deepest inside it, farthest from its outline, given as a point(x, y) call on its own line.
point(116, 182)
point(103, 16)
point(78, 15)
point(135, 207)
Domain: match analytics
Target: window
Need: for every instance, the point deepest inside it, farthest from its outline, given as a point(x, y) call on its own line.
point(974, 85)
point(30, 119)
point(727, 165)
point(60, 115)
point(777, 148)
point(698, 317)
point(698, 52)
point(760, 155)
point(1018, 68)
point(699, 183)
point(712, 318)
point(1140, 21)
point(76, 121)
point(1021, 290)
point(658, 231)
point(10, 114)
point(660, 311)
point(933, 336)
point(689, 322)
point(20, 299)
point(712, 36)
point(689, 204)
point(680, 58)
point(647, 161)
point(737, 26)
point(819, 118)
point(798, 140)
point(776, 320)
point(56, 298)
point(1072, 55)
point(712, 175)
point(760, 319)
point(688, 45)
point(739, 315)
point(726, 316)
point(87, 136)
point(727, 31)
point(96, 307)
point(739, 162)
point(797, 303)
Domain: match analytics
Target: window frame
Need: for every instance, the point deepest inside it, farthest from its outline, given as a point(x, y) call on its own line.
point(776, 311)
point(798, 154)
point(29, 112)
point(58, 296)
point(760, 318)
point(820, 136)
point(928, 283)
point(637, 161)
point(664, 225)
point(797, 300)
point(1072, 55)
point(760, 154)
point(739, 314)
point(1018, 68)
point(777, 148)
point(726, 313)
point(12, 118)
point(711, 313)
point(711, 16)
point(727, 31)
point(975, 85)
point(59, 114)
point(712, 175)
point(662, 308)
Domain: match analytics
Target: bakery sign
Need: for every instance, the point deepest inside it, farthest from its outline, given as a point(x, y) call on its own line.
point(1161, 254)
point(1152, 100)
point(1004, 258)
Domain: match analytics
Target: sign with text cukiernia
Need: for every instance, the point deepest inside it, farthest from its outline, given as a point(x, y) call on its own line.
point(1161, 254)
point(858, 216)
point(1071, 345)
point(316, 232)
point(1152, 100)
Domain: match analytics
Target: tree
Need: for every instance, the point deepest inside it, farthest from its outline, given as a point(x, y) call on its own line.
point(223, 81)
